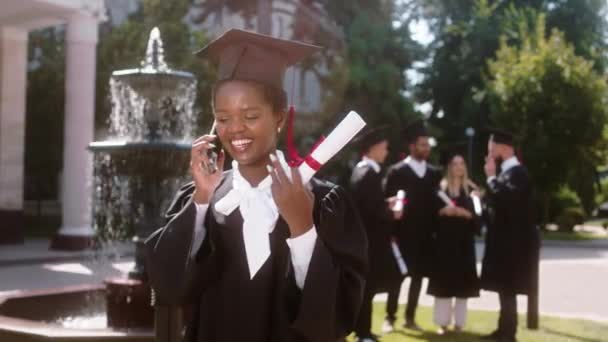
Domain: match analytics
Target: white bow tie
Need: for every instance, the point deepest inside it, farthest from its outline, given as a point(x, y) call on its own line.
point(259, 213)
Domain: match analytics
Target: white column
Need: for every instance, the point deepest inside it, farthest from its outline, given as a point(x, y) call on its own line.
point(13, 78)
point(81, 45)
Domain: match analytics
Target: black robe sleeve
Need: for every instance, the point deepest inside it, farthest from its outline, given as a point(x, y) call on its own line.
point(333, 291)
point(371, 198)
point(510, 195)
point(170, 264)
point(392, 183)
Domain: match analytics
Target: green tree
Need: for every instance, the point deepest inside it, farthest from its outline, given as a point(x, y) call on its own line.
point(555, 101)
point(466, 34)
point(123, 47)
point(44, 113)
point(378, 50)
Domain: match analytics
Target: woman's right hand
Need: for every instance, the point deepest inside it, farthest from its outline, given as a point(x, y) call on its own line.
point(204, 182)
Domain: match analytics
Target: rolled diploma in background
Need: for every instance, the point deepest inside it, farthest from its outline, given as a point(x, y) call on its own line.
point(477, 205)
point(398, 257)
point(399, 204)
point(335, 141)
point(444, 197)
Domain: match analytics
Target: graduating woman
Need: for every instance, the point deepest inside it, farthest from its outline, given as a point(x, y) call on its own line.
point(454, 275)
point(260, 255)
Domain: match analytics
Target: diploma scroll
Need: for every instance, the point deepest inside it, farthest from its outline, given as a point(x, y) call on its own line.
point(444, 197)
point(399, 203)
point(477, 205)
point(333, 143)
point(398, 257)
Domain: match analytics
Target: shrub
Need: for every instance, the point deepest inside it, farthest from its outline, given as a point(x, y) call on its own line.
point(569, 218)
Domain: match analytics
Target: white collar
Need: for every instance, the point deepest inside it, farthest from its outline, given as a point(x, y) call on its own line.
point(509, 164)
point(419, 167)
point(259, 212)
point(368, 161)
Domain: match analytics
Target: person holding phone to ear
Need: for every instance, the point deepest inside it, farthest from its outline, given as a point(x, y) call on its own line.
point(260, 255)
point(512, 241)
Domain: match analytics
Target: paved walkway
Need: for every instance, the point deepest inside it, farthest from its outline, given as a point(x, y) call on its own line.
point(37, 251)
point(33, 266)
point(573, 283)
point(574, 280)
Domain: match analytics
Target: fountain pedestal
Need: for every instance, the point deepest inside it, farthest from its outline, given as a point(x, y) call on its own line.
point(128, 303)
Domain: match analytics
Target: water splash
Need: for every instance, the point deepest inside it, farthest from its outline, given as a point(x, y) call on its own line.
point(145, 157)
point(155, 53)
point(96, 321)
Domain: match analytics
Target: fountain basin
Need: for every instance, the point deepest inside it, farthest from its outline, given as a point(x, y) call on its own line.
point(71, 314)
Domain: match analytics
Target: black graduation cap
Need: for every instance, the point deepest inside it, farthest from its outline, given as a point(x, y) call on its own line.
point(249, 56)
point(414, 130)
point(448, 152)
point(500, 136)
point(370, 137)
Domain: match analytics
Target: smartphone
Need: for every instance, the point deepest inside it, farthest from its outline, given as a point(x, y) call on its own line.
point(214, 152)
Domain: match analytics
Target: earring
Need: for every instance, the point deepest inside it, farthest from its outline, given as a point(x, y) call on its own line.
point(279, 130)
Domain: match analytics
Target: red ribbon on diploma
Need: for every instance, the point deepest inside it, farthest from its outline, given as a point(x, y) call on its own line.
point(295, 159)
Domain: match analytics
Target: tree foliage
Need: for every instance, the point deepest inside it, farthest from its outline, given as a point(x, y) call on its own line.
point(556, 102)
point(466, 34)
point(124, 46)
point(44, 113)
point(377, 55)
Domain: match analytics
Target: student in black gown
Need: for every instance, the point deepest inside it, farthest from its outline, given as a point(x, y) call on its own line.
point(259, 255)
point(454, 275)
point(374, 209)
point(416, 227)
point(512, 241)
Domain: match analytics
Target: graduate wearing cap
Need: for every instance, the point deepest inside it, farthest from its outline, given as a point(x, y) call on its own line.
point(258, 255)
point(374, 209)
point(454, 277)
point(416, 227)
point(512, 241)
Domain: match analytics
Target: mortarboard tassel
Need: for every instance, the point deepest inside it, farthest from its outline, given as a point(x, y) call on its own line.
point(294, 159)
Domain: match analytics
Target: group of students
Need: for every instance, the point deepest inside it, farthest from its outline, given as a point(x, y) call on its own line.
point(433, 227)
point(258, 255)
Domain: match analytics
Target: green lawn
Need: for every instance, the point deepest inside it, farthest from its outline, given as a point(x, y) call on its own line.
point(480, 322)
point(574, 236)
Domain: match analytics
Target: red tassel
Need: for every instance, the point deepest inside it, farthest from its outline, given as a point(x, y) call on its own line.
point(293, 157)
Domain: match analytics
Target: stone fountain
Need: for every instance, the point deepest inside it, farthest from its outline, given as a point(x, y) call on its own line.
point(137, 169)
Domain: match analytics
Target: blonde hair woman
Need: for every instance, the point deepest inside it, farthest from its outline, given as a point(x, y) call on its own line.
point(454, 276)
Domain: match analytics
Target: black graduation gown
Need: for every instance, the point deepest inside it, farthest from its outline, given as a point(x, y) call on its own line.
point(228, 306)
point(415, 231)
point(368, 194)
point(454, 272)
point(512, 240)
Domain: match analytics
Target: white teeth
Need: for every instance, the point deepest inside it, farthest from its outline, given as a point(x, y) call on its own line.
point(241, 142)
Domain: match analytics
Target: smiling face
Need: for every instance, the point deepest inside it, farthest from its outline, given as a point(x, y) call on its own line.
point(246, 121)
